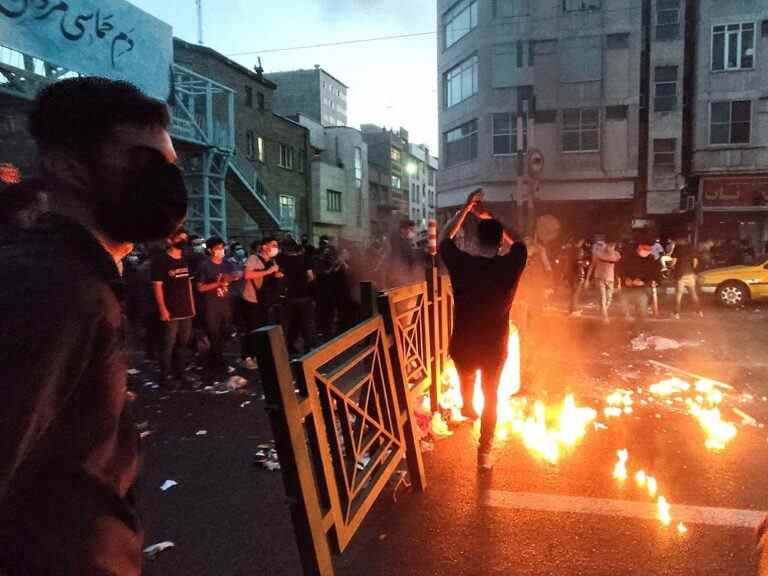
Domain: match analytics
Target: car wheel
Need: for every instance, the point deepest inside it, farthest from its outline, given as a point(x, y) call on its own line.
point(732, 294)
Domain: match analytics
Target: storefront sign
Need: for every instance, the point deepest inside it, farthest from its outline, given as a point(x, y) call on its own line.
point(735, 192)
point(110, 38)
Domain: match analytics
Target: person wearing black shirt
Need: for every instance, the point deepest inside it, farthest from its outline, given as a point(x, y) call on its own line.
point(172, 285)
point(215, 276)
point(69, 454)
point(299, 313)
point(641, 273)
point(686, 264)
point(22, 204)
point(483, 290)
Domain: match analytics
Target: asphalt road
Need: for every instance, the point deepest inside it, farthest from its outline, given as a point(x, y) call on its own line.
point(228, 517)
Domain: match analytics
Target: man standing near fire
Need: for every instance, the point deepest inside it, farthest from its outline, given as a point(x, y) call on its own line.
point(483, 288)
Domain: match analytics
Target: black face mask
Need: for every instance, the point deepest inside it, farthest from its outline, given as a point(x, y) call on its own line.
point(146, 201)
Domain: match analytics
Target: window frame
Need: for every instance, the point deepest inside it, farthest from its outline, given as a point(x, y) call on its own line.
point(260, 101)
point(333, 201)
point(664, 167)
point(358, 167)
point(291, 205)
point(287, 157)
point(472, 6)
point(248, 96)
point(473, 131)
point(260, 149)
point(669, 30)
point(250, 144)
point(739, 46)
point(580, 131)
point(459, 70)
point(511, 135)
point(524, 7)
point(671, 99)
point(567, 10)
point(730, 123)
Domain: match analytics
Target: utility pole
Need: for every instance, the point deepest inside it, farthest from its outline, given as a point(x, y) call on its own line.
point(522, 165)
point(199, 21)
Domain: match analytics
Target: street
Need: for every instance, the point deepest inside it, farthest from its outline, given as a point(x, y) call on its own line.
point(528, 516)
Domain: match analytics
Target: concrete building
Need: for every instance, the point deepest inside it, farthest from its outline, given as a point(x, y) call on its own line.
point(571, 69)
point(340, 204)
point(313, 93)
point(267, 179)
point(421, 170)
point(387, 151)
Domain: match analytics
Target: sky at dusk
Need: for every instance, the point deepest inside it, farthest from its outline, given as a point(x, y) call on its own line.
point(392, 82)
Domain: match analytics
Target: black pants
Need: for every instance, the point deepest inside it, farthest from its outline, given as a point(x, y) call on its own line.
point(218, 318)
point(490, 373)
point(327, 305)
point(173, 352)
point(299, 319)
point(255, 316)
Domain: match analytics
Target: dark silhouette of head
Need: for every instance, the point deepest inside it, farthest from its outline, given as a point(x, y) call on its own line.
point(490, 233)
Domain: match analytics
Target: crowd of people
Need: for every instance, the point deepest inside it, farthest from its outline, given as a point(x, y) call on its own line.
point(189, 296)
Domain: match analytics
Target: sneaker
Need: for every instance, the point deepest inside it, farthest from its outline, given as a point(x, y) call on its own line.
point(250, 364)
point(484, 461)
point(676, 316)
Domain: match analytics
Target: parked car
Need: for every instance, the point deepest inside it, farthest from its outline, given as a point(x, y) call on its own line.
point(736, 285)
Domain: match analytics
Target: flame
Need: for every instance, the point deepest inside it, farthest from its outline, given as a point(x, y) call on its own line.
point(669, 386)
point(719, 432)
point(640, 478)
point(651, 485)
point(663, 509)
point(681, 528)
point(620, 470)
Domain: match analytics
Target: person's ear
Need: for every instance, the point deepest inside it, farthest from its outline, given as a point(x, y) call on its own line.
point(66, 169)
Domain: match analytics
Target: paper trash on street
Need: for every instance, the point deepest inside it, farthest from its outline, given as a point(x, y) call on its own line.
point(152, 551)
point(168, 484)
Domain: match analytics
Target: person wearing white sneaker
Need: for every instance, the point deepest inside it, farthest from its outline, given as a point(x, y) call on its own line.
point(483, 288)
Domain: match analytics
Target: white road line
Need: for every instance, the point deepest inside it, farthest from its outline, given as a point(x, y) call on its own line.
point(622, 508)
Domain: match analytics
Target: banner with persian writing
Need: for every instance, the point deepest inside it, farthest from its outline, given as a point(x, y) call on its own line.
point(110, 38)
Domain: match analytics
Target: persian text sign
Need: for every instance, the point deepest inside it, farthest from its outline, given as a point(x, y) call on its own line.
point(110, 38)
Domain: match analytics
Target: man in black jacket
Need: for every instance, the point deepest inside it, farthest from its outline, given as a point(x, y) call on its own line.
point(68, 443)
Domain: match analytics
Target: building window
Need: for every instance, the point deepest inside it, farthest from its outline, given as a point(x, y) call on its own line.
point(396, 182)
point(581, 130)
point(665, 95)
point(302, 161)
point(286, 157)
point(667, 19)
point(730, 122)
point(333, 201)
point(287, 208)
point(505, 135)
point(260, 149)
point(394, 154)
point(250, 145)
point(733, 47)
point(358, 168)
point(461, 81)
point(578, 5)
point(461, 144)
point(260, 100)
point(664, 154)
point(459, 20)
point(249, 96)
point(510, 8)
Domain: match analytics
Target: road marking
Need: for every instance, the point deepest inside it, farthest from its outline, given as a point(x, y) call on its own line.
point(622, 508)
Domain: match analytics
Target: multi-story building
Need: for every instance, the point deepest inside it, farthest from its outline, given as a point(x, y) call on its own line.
point(421, 169)
point(729, 145)
point(388, 177)
point(267, 180)
point(313, 93)
point(562, 76)
point(340, 204)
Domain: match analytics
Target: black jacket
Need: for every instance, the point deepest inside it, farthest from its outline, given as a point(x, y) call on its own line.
point(68, 444)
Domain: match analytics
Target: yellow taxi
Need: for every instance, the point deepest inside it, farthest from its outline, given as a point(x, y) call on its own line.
point(735, 285)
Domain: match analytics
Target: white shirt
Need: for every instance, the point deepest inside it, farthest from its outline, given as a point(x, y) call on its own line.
point(250, 291)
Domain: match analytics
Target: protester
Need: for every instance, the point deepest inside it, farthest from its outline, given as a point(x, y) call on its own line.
point(686, 265)
point(604, 264)
point(576, 273)
point(20, 206)
point(214, 278)
point(256, 300)
point(69, 451)
point(641, 273)
point(657, 250)
point(405, 265)
point(483, 288)
point(327, 264)
point(299, 312)
point(172, 284)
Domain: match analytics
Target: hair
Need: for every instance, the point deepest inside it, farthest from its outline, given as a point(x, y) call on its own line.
point(406, 224)
point(213, 241)
point(17, 197)
point(267, 240)
point(489, 232)
point(78, 115)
